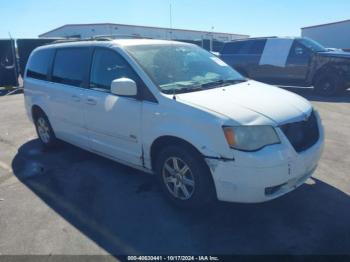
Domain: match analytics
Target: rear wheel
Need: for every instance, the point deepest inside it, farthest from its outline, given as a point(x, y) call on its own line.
point(328, 84)
point(44, 130)
point(184, 177)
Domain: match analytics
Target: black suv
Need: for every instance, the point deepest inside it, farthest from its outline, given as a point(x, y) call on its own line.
point(290, 62)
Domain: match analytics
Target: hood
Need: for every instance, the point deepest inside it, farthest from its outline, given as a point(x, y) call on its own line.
point(340, 54)
point(251, 103)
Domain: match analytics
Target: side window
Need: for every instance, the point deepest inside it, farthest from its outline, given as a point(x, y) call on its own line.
point(232, 48)
point(108, 65)
point(253, 47)
point(70, 66)
point(299, 52)
point(245, 47)
point(257, 47)
point(226, 49)
point(39, 64)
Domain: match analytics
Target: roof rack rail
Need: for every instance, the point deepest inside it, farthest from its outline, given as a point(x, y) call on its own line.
point(97, 38)
point(119, 36)
point(64, 40)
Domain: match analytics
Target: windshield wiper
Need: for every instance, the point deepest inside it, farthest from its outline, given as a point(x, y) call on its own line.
point(183, 89)
point(221, 82)
point(189, 89)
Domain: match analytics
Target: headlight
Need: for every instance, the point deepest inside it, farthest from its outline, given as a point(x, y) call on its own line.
point(250, 138)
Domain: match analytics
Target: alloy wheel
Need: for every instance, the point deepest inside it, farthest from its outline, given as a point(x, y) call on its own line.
point(178, 178)
point(43, 130)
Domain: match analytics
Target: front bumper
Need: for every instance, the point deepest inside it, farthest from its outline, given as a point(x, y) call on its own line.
point(267, 174)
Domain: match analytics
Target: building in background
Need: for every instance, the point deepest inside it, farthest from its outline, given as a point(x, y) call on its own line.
point(207, 39)
point(332, 35)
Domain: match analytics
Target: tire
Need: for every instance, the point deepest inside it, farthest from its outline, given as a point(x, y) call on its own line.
point(328, 85)
point(44, 130)
point(184, 177)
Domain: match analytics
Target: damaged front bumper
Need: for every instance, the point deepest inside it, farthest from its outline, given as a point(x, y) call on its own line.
point(265, 175)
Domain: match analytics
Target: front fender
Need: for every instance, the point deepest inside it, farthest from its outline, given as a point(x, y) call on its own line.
point(198, 128)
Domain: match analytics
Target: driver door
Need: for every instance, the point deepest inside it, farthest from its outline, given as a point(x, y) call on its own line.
point(113, 122)
point(298, 63)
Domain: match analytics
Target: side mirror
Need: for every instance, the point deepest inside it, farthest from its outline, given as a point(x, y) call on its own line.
point(299, 51)
point(124, 87)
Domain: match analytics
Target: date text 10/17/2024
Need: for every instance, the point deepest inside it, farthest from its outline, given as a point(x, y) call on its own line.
point(172, 258)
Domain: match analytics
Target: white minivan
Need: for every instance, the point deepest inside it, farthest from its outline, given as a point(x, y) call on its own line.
point(177, 111)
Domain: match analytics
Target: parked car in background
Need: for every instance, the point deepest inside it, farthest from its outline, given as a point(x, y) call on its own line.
point(175, 110)
point(290, 62)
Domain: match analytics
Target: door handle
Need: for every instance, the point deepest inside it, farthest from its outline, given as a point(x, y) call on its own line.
point(76, 98)
point(91, 101)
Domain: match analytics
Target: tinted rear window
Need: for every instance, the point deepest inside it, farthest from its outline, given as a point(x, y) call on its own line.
point(232, 48)
point(252, 47)
point(71, 66)
point(255, 47)
point(39, 64)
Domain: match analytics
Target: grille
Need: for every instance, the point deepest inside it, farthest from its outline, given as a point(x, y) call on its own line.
point(302, 135)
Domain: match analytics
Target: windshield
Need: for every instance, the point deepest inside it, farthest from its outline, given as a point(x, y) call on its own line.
point(180, 68)
point(313, 45)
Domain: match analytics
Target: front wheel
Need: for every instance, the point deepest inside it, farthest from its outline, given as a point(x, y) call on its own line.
point(328, 84)
point(184, 177)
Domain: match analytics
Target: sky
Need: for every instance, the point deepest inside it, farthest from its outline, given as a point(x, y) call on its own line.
point(29, 18)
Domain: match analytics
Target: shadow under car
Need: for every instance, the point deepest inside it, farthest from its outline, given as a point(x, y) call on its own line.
point(123, 211)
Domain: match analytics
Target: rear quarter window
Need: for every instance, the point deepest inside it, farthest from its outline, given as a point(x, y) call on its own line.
point(248, 47)
point(71, 66)
point(232, 48)
point(40, 63)
point(253, 47)
point(257, 47)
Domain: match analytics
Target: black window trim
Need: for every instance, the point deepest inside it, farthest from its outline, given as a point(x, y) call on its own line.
point(140, 90)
